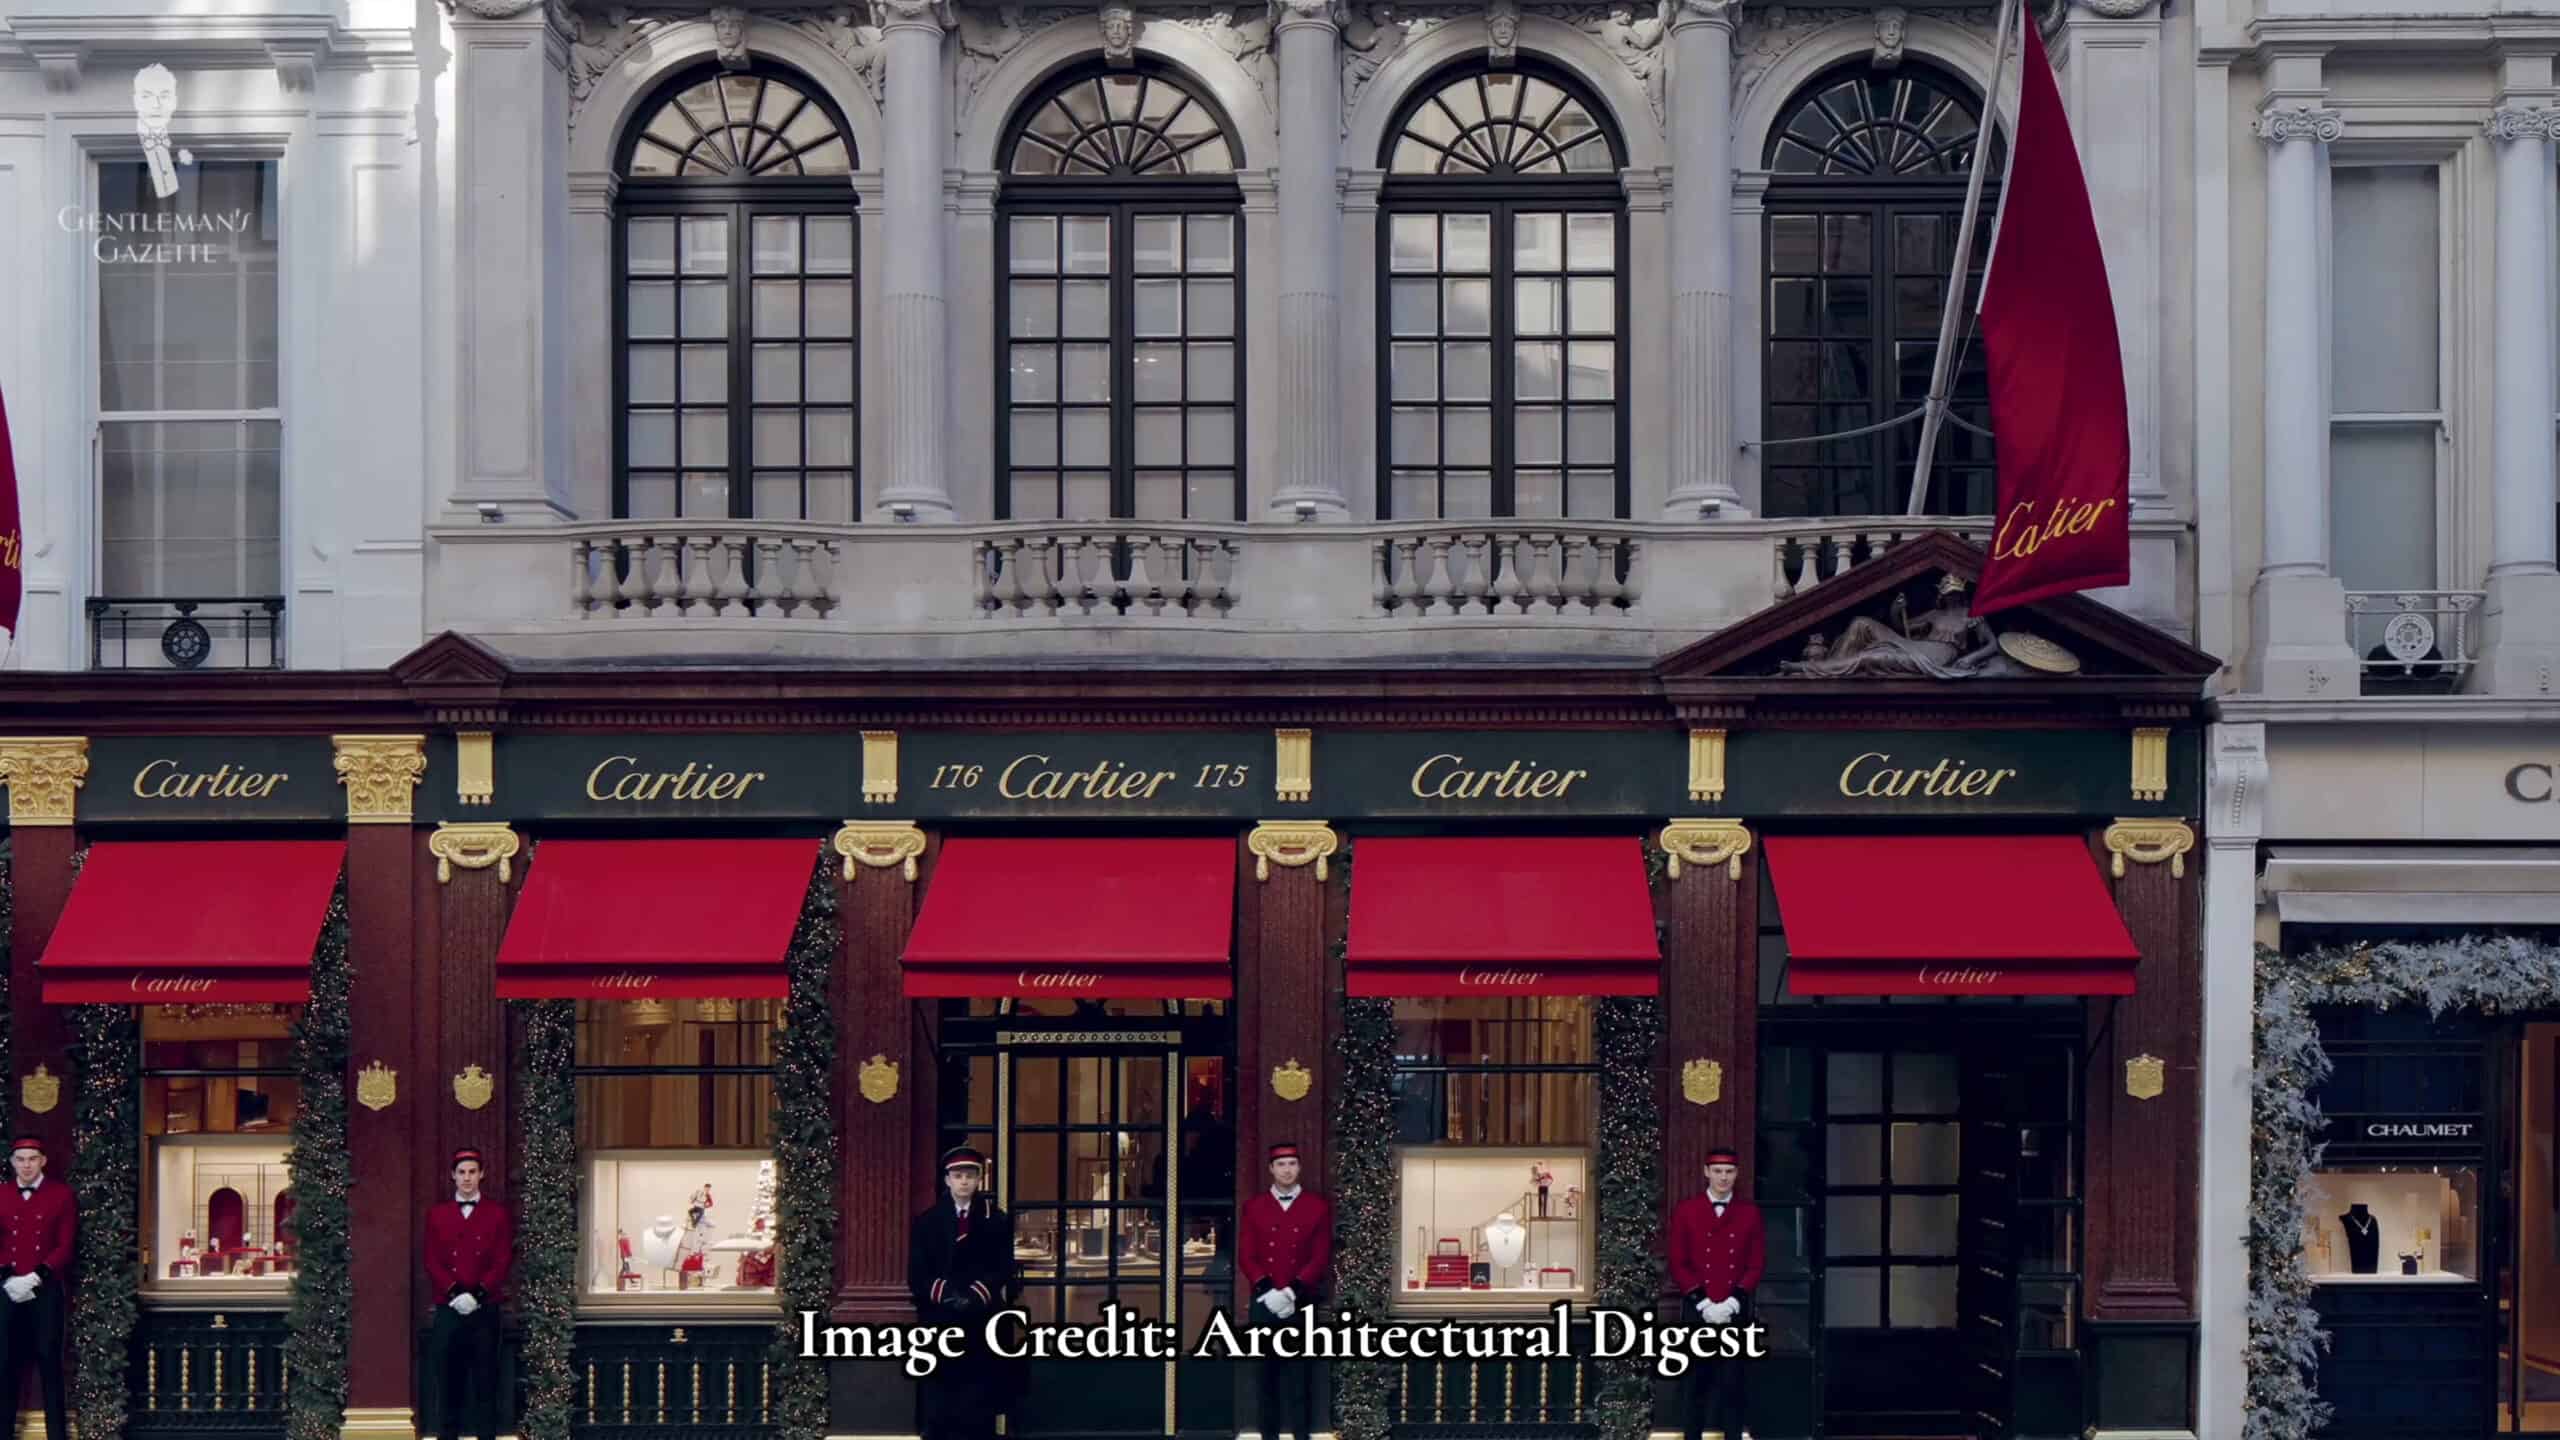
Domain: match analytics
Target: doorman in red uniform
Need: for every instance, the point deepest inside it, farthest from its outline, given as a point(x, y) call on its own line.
point(1718, 1249)
point(470, 1248)
point(37, 1221)
point(1286, 1255)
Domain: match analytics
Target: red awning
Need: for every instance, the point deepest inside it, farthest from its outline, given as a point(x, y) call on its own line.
point(177, 922)
point(655, 920)
point(1948, 915)
point(1493, 915)
point(1091, 919)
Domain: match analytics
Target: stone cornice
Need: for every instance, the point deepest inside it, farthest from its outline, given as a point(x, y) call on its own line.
point(2263, 39)
point(2391, 710)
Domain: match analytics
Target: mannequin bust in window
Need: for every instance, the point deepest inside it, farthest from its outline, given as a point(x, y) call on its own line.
point(2364, 1240)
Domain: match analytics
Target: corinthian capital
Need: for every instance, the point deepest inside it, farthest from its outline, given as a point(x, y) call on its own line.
point(2514, 122)
point(2300, 123)
point(1332, 14)
point(910, 14)
point(490, 9)
point(1690, 12)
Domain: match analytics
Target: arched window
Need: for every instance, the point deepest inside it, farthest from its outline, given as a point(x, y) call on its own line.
point(1121, 258)
point(735, 254)
point(1867, 184)
point(1502, 322)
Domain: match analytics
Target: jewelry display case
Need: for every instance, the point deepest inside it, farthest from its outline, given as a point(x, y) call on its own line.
point(1498, 1227)
point(689, 1227)
point(219, 1215)
point(2382, 1224)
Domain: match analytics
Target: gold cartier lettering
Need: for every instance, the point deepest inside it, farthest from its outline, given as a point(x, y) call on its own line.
point(1447, 777)
point(2022, 534)
point(625, 980)
point(619, 777)
point(1959, 977)
point(1874, 775)
point(1486, 979)
point(163, 780)
point(1056, 979)
point(1028, 777)
point(170, 984)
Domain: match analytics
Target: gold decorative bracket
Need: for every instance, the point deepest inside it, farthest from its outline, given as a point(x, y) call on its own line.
point(1293, 769)
point(1292, 843)
point(474, 845)
point(879, 844)
point(879, 767)
point(381, 774)
point(1706, 766)
point(44, 774)
point(1702, 1082)
point(2151, 763)
point(1291, 1080)
point(475, 767)
point(1707, 842)
point(2148, 842)
point(2145, 1076)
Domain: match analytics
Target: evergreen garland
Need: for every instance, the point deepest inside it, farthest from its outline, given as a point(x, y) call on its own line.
point(1626, 1184)
point(1364, 1179)
point(547, 1214)
point(106, 1179)
point(804, 1152)
point(2491, 974)
point(8, 915)
point(322, 1312)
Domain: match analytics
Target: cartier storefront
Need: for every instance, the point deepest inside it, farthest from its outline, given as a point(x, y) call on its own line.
point(1917, 941)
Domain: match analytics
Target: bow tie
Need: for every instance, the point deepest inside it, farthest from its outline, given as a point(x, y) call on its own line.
point(26, 1192)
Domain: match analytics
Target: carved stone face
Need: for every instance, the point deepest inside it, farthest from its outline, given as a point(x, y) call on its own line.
point(155, 98)
point(729, 28)
point(1119, 27)
point(1889, 30)
point(1506, 29)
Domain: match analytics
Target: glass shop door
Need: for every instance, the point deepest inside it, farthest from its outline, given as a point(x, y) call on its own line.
point(2526, 1235)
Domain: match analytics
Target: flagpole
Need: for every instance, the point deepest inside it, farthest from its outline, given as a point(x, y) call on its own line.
point(1940, 371)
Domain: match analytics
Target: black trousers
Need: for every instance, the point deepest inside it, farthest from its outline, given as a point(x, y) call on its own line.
point(1288, 1387)
point(463, 1373)
point(1717, 1399)
point(34, 1337)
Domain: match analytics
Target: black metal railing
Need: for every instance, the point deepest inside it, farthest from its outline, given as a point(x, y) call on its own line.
point(198, 1372)
point(1496, 1399)
point(674, 1382)
point(186, 632)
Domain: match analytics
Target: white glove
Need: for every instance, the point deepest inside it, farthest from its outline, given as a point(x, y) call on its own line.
point(1277, 1301)
point(1726, 1309)
point(463, 1304)
point(1707, 1311)
point(21, 1288)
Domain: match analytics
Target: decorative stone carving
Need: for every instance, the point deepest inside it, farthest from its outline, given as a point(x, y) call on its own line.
point(1246, 38)
point(1764, 34)
point(1502, 32)
point(1892, 24)
point(1309, 12)
point(2300, 123)
point(44, 774)
point(491, 9)
point(1120, 27)
point(2237, 779)
point(597, 44)
point(1702, 9)
point(2105, 10)
point(1371, 38)
point(857, 42)
point(1944, 643)
point(2515, 123)
point(476, 845)
point(891, 14)
point(381, 774)
point(1634, 35)
point(729, 36)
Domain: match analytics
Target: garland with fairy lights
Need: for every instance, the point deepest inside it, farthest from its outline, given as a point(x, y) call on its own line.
point(1627, 1183)
point(2491, 974)
point(106, 1178)
point(804, 1153)
point(323, 1309)
point(547, 1199)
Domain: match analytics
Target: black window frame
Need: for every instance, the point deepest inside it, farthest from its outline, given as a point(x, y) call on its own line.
point(1122, 198)
point(1964, 458)
point(1503, 197)
point(742, 202)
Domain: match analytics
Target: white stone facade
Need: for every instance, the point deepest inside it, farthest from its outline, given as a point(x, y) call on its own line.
point(447, 188)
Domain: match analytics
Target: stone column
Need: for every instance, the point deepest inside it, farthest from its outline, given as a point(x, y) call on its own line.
point(1307, 46)
point(2522, 639)
point(2237, 786)
point(2113, 76)
point(2298, 644)
point(1701, 113)
point(914, 321)
point(511, 272)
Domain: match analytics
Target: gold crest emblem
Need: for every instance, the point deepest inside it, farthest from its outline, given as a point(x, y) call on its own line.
point(377, 1085)
point(40, 1091)
point(2145, 1076)
point(473, 1087)
point(1702, 1082)
point(1292, 1081)
point(878, 1078)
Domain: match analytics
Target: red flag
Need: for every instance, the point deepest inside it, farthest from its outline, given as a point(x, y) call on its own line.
point(13, 584)
point(2057, 372)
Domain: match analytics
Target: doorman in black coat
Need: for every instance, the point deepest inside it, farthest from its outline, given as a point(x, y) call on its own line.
point(960, 1271)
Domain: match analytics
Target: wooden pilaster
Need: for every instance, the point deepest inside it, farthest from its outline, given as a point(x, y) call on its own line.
point(877, 1170)
point(2141, 1170)
point(1710, 996)
point(477, 869)
point(1281, 992)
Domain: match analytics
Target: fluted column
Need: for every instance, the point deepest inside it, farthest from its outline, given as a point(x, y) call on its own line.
point(2522, 638)
point(1701, 103)
point(914, 317)
point(2299, 642)
point(1310, 60)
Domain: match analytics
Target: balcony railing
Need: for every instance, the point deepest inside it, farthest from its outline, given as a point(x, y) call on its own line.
point(2414, 641)
point(1128, 570)
point(667, 570)
point(208, 1373)
point(1809, 552)
point(187, 632)
point(1494, 570)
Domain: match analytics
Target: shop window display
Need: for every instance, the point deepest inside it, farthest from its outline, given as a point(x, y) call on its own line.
point(219, 1098)
point(675, 1100)
point(1494, 1180)
point(2389, 1224)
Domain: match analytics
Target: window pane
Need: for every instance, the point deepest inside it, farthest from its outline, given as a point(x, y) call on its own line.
point(1034, 245)
point(1925, 1154)
point(1854, 1225)
point(1921, 1297)
point(705, 245)
point(1212, 243)
point(1213, 372)
point(1414, 242)
point(2382, 508)
point(1156, 373)
point(2384, 275)
point(1470, 242)
point(1857, 1082)
point(1851, 1297)
point(653, 375)
point(1855, 1154)
point(830, 245)
point(187, 310)
point(1924, 1224)
point(649, 245)
point(1924, 1083)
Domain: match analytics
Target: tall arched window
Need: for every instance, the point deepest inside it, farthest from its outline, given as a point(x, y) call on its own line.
point(1867, 184)
point(735, 316)
point(1502, 322)
point(1121, 258)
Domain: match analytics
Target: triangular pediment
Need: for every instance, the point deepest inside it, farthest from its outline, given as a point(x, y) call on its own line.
point(1844, 636)
point(451, 660)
